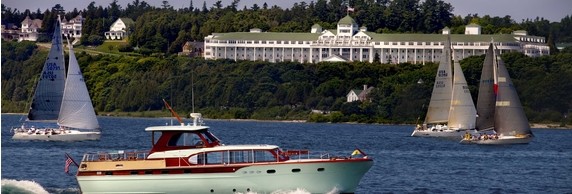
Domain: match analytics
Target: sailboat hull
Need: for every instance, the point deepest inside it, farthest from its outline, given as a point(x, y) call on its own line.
point(447, 133)
point(72, 135)
point(500, 141)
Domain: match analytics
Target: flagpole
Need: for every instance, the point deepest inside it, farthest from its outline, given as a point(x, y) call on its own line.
point(68, 156)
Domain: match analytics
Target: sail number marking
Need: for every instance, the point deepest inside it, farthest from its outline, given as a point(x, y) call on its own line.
point(49, 74)
point(439, 84)
point(442, 73)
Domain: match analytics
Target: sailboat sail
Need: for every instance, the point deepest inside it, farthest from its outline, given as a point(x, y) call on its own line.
point(49, 91)
point(486, 99)
point(77, 109)
point(509, 114)
point(462, 112)
point(438, 110)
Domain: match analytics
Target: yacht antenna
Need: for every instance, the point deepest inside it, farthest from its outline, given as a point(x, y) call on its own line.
point(192, 91)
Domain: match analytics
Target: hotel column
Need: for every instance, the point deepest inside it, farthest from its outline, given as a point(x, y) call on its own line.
point(361, 54)
point(371, 54)
point(311, 57)
point(301, 54)
point(406, 55)
point(415, 56)
point(351, 53)
point(424, 55)
point(225, 55)
point(381, 56)
point(292, 54)
point(398, 55)
point(235, 53)
point(320, 54)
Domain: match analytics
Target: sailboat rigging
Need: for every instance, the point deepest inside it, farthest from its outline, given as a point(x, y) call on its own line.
point(451, 103)
point(499, 107)
point(62, 99)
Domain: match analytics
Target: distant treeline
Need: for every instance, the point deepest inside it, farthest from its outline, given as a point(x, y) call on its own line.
point(164, 29)
point(287, 90)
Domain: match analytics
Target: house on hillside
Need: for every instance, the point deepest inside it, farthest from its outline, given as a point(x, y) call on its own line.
point(119, 29)
point(30, 29)
point(10, 32)
point(361, 95)
point(72, 28)
point(192, 49)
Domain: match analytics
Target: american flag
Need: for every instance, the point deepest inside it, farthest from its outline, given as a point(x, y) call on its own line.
point(69, 161)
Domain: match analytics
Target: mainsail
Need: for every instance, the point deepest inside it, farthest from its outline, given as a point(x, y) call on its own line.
point(50, 89)
point(462, 112)
point(77, 110)
point(509, 114)
point(486, 98)
point(438, 110)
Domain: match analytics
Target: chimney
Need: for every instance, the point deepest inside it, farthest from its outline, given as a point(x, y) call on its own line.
point(364, 87)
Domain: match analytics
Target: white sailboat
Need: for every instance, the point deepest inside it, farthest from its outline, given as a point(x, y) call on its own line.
point(63, 99)
point(451, 110)
point(498, 106)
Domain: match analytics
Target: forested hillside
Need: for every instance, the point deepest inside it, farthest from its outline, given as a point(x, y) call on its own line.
point(261, 90)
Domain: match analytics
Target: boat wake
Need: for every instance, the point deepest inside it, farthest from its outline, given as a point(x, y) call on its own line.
point(24, 187)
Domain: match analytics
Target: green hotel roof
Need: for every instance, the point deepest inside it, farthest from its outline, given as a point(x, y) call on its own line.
point(347, 20)
point(441, 37)
point(266, 36)
point(375, 37)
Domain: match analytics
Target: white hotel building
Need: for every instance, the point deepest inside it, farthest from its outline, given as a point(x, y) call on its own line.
point(350, 43)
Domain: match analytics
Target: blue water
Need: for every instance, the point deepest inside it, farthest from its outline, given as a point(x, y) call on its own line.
point(403, 164)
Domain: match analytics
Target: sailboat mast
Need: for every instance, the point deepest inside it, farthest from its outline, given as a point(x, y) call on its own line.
point(495, 68)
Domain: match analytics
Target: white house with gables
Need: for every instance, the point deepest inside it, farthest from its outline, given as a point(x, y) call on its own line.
point(351, 43)
point(361, 95)
point(73, 27)
point(30, 29)
point(119, 29)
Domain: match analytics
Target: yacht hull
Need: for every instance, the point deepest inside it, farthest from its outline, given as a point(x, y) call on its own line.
point(72, 135)
point(500, 141)
point(316, 176)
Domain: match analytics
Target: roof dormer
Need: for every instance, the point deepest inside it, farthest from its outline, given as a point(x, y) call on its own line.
point(316, 28)
point(473, 29)
point(347, 26)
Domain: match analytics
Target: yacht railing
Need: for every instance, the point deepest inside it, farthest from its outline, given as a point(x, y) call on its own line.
point(114, 156)
point(132, 155)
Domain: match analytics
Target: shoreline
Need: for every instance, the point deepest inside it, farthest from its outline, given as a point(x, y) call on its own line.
point(532, 125)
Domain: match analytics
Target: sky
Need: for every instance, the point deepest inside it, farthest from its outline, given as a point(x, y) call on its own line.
point(552, 10)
